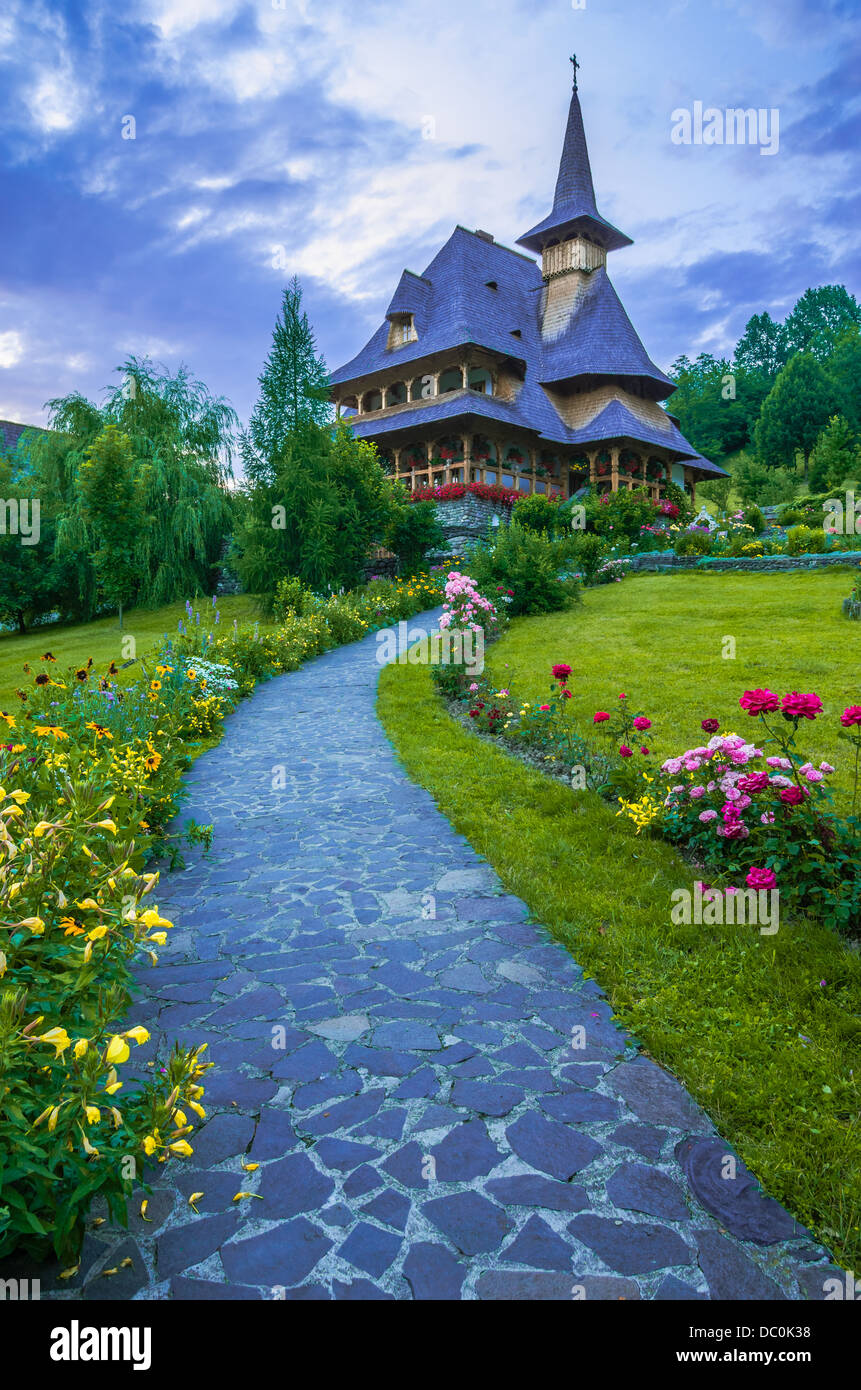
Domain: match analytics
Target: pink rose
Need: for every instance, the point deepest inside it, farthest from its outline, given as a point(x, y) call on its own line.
point(753, 782)
point(641, 723)
point(759, 701)
point(625, 751)
point(851, 715)
point(601, 717)
point(760, 878)
point(801, 706)
point(708, 815)
point(793, 796)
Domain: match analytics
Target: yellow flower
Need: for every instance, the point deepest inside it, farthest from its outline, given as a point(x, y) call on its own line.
point(2, 965)
point(21, 797)
point(33, 924)
point(107, 825)
point(80, 1047)
point(118, 1050)
point(198, 1110)
point(43, 730)
point(192, 675)
point(150, 1145)
point(159, 937)
point(39, 830)
point(94, 1115)
point(139, 1034)
point(183, 1147)
point(97, 933)
point(155, 685)
point(151, 918)
point(193, 1199)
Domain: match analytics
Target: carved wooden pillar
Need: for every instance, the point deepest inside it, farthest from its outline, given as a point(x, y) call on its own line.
point(467, 457)
point(592, 456)
point(614, 470)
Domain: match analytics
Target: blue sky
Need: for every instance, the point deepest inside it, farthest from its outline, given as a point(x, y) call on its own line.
point(291, 136)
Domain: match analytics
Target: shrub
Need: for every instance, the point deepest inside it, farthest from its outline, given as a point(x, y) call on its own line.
point(526, 563)
point(693, 543)
point(537, 513)
point(291, 597)
point(792, 516)
point(413, 531)
point(804, 540)
point(754, 518)
point(589, 550)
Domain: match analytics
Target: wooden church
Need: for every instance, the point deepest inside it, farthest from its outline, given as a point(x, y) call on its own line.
point(490, 368)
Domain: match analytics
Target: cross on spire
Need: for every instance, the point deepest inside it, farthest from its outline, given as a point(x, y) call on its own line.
point(575, 65)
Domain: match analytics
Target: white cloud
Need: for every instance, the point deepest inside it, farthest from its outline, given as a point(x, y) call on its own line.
point(55, 103)
point(11, 348)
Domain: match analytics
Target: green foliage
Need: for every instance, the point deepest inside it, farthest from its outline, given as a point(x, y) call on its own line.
point(693, 543)
point(111, 508)
point(588, 552)
point(537, 513)
point(835, 455)
point(761, 348)
point(412, 531)
point(328, 504)
point(819, 319)
point(525, 562)
point(181, 440)
point(293, 389)
point(717, 403)
point(805, 540)
point(844, 370)
point(31, 580)
point(794, 412)
point(620, 516)
point(755, 519)
point(718, 491)
point(292, 598)
point(755, 483)
point(792, 516)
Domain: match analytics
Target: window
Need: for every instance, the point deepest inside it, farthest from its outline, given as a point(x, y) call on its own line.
point(491, 284)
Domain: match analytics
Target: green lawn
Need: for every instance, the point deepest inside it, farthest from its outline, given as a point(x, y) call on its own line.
point(659, 639)
point(102, 640)
point(764, 1031)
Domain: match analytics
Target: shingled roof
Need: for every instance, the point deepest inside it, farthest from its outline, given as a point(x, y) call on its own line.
point(478, 293)
point(10, 433)
point(574, 208)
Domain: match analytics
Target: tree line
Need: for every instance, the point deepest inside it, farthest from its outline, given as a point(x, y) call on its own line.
point(140, 503)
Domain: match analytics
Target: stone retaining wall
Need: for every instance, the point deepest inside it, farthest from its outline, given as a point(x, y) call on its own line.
point(465, 519)
point(662, 561)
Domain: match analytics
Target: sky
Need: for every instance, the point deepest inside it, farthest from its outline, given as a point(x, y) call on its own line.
point(168, 165)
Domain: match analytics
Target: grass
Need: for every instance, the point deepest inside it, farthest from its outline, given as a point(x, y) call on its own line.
point(660, 639)
point(764, 1031)
point(74, 644)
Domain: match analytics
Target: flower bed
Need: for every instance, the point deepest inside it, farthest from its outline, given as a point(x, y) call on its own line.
point(91, 778)
point(734, 808)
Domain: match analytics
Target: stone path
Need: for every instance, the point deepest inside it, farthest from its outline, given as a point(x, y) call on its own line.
point(440, 1105)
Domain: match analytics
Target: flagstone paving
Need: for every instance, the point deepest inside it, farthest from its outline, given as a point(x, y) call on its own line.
point(440, 1104)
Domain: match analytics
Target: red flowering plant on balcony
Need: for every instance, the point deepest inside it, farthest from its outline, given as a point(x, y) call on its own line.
point(449, 492)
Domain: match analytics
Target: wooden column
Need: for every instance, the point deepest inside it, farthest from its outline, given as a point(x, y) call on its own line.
point(614, 470)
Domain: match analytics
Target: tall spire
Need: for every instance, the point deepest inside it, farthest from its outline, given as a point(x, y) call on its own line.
point(574, 209)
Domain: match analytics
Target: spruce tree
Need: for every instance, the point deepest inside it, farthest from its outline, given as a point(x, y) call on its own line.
point(294, 388)
point(794, 413)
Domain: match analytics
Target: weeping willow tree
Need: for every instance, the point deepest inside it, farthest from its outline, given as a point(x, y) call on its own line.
point(183, 441)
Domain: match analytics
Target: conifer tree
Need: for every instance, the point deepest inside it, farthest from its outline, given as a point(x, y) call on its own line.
point(294, 387)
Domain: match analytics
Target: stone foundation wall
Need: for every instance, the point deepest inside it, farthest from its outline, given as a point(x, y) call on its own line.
point(465, 519)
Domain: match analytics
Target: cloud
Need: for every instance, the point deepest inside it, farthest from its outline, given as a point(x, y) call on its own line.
point(11, 348)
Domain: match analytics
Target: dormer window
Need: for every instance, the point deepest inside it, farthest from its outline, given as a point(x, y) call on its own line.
point(491, 284)
point(516, 333)
point(402, 330)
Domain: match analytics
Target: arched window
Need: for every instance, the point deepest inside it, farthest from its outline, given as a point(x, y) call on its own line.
point(480, 380)
point(372, 400)
point(451, 380)
point(396, 394)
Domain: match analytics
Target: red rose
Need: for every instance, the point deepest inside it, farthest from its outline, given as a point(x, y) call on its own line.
point(641, 723)
point(710, 726)
point(753, 782)
point(561, 672)
point(758, 701)
point(645, 750)
point(601, 717)
point(792, 796)
point(850, 716)
point(625, 751)
point(801, 706)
